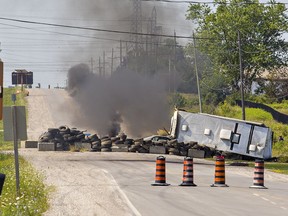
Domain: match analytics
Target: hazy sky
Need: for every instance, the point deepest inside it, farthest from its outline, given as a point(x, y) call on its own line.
point(50, 51)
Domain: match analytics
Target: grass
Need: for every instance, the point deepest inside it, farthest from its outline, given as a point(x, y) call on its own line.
point(280, 149)
point(276, 167)
point(33, 198)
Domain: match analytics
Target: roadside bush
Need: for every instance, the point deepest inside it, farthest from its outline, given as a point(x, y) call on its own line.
point(177, 100)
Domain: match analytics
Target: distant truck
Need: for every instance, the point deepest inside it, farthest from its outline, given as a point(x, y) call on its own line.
point(224, 134)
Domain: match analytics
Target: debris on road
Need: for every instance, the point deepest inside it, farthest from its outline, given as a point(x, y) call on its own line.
point(65, 139)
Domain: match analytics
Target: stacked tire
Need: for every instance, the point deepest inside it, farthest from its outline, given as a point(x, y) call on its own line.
point(95, 142)
point(106, 144)
point(63, 137)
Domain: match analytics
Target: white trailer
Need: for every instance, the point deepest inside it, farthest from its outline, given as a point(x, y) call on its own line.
point(223, 134)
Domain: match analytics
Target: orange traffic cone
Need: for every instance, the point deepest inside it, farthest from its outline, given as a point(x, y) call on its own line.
point(258, 181)
point(188, 172)
point(219, 173)
point(160, 177)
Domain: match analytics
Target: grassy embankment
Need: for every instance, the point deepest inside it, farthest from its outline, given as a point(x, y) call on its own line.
point(33, 199)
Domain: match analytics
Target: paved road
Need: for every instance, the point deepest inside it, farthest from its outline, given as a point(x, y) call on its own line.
point(120, 183)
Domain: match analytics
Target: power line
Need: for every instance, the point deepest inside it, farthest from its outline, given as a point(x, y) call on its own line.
point(211, 2)
point(92, 37)
point(94, 29)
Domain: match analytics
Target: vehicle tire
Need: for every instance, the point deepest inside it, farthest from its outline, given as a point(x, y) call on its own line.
point(115, 139)
point(106, 150)
point(74, 131)
point(64, 129)
point(93, 137)
point(142, 150)
point(106, 145)
point(98, 142)
point(44, 139)
point(53, 130)
point(96, 148)
point(128, 141)
point(106, 142)
point(118, 142)
point(80, 136)
point(132, 149)
point(71, 138)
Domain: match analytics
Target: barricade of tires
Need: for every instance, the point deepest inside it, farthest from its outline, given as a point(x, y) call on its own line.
point(65, 137)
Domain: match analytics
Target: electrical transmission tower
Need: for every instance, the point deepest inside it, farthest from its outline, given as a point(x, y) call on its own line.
point(136, 27)
point(152, 30)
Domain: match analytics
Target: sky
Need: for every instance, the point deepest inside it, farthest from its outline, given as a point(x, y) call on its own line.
point(50, 51)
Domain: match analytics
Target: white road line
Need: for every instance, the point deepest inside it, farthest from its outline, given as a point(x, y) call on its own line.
point(130, 205)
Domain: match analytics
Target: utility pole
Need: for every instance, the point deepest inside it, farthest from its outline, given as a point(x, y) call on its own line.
point(99, 67)
point(197, 76)
point(169, 69)
point(146, 57)
point(174, 72)
point(121, 54)
point(91, 61)
point(112, 61)
point(241, 77)
point(104, 64)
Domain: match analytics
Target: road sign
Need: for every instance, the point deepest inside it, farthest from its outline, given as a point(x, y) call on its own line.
point(22, 77)
point(20, 125)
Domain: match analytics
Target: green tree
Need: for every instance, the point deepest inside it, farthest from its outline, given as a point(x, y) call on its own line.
point(260, 26)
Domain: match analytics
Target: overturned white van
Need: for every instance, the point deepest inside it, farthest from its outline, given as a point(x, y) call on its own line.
point(224, 134)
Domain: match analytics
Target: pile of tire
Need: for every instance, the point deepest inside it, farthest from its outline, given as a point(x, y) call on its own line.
point(121, 143)
point(139, 146)
point(95, 142)
point(63, 137)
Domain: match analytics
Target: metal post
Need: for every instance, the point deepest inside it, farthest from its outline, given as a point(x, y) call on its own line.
point(197, 76)
point(15, 138)
point(241, 78)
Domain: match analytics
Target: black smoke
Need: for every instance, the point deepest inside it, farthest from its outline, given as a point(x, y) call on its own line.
point(125, 102)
